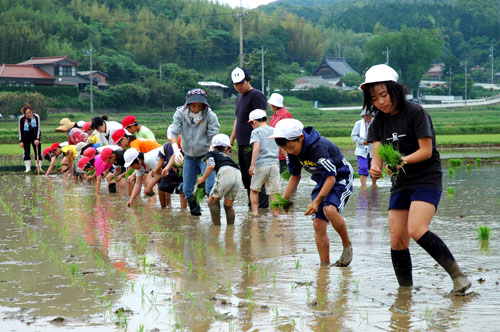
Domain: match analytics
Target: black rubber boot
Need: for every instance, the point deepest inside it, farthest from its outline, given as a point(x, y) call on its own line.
point(194, 207)
point(401, 261)
point(229, 214)
point(215, 212)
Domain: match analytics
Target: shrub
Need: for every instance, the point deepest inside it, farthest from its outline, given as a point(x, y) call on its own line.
point(11, 103)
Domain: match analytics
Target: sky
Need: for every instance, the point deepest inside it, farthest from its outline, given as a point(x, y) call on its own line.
point(246, 3)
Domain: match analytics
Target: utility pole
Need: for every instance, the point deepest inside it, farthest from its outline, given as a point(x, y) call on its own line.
point(386, 52)
point(161, 89)
point(491, 56)
point(240, 16)
point(262, 50)
point(449, 84)
point(89, 53)
point(268, 88)
point(465, 81)
point(338, 46)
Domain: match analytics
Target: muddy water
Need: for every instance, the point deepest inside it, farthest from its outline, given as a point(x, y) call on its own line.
point(71, 260)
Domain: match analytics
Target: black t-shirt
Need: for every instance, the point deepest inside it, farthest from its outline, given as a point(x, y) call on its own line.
point(403, 131)
point(246, 103)
point(220, 159)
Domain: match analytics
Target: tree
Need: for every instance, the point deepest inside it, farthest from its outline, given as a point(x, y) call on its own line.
point(412, 52)
point(352, 79)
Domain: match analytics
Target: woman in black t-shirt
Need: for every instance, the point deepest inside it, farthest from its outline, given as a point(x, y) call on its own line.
point(416, 189)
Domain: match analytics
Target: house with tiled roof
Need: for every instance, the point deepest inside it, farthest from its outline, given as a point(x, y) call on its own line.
point(52, 71)
point(333, 68)
point(24, 75)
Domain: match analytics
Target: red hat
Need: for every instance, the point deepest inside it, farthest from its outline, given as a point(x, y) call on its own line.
point(128, 120)
point(86, 126)
point(45, 151)
point(89, 153)
point(118, 135)
point(82, 162)
point(54, 146)
point(105, 154)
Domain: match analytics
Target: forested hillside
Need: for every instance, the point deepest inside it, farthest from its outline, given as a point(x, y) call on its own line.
point(198, 40)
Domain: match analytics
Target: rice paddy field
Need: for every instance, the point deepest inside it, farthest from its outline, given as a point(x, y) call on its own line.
point(73, 260)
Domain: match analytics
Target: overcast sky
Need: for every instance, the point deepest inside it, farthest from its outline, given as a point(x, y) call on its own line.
point(246, 3)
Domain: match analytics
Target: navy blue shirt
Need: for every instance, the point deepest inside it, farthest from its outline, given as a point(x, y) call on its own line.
point(320, 157)
point(246, 103)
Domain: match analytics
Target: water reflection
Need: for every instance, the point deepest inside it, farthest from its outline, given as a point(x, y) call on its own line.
point(66, 252)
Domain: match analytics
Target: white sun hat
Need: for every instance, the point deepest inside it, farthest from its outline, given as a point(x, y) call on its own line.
point(129, 156)
point(221, 140)
point(379, 73)
point(256, 114)
point(276, 99)
point(287, 128)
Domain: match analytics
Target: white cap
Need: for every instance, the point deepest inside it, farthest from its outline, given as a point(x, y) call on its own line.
point(130, 155)
point(80, 123)
point(238, 75)
point(379, 73)
point(221, 140)
point(276, 99)
point(288, 128)
point(256, 114)
point(169, 132)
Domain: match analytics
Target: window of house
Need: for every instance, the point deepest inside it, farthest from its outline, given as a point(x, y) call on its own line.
point(67, 71)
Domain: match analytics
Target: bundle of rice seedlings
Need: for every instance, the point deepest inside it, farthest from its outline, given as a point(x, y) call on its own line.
point(199, 192)
point(391, 157)
point(129, 172)
point(286, 175)
point(280, 202)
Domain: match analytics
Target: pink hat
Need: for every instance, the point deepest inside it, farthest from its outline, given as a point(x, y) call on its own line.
point(105, 154)
point(118, 135)
point(82, 162)
point(86, 126)
point(89, 153)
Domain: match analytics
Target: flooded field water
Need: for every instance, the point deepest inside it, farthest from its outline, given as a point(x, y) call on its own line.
point(72, 261)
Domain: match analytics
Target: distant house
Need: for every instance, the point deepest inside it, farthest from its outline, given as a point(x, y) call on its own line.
point(327, 74)
point(436, 72)
point(333, 68)
point(220, 89)
point(24, 75)
point(48, 71)
point(98, 76)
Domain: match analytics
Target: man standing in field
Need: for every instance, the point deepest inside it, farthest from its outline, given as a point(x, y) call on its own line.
point(248, 100)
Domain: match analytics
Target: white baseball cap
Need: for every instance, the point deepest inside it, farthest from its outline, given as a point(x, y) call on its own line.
point(221, 140)
point(129, 156)
point(379, 73)
point(276, 99)
point(256, 114)
point(287, 128)
point(238, 75)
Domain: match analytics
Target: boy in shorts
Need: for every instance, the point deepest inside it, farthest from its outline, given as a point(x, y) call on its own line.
point(227, 180)
point(264, 166)
point(171, 179)
point(333, 176)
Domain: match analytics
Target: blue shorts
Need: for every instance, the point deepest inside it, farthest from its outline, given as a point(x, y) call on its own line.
point(363, 165)
point(338, 197)
point(402, 200)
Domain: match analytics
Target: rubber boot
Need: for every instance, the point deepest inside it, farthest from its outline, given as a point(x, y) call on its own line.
point(27, 164)
point(460, 281)
point(229, 214)
point(401, 261)
point(215, 212)
point(194, 207)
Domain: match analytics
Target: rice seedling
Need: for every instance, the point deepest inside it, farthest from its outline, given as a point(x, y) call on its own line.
point(455, 162)
point(281, 203)
point(451, 171)
point(199, 192)
point(286, 175)
point(478, 162)
point(393, 158)
point(297, 264)
point(483, 232)
point(451, 190)
point(468, 167)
